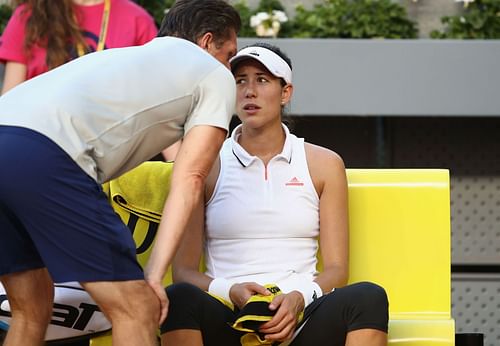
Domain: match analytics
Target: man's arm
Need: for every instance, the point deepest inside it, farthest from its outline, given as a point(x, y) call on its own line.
point(198, 151)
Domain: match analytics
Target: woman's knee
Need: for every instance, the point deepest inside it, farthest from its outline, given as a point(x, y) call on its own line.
point(371, 296)
point(184, 294)
point(186, 303)
point(369, 305)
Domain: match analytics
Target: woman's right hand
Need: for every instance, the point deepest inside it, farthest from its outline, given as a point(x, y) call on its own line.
point(240, 293)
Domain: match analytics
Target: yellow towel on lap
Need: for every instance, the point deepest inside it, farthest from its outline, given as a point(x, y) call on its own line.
point(254, 339)
point(256, 312)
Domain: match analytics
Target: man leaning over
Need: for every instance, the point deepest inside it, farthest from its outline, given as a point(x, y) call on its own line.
point(65, 132)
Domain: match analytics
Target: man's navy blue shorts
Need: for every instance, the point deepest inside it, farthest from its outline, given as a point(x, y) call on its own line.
point(52, 214)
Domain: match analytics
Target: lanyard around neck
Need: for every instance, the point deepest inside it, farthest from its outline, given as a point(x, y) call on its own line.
point(103, 32)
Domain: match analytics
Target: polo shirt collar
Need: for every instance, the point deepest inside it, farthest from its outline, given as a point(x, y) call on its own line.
point(246, 159)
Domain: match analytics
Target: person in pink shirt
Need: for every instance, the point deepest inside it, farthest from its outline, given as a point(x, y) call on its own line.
point(43, 34)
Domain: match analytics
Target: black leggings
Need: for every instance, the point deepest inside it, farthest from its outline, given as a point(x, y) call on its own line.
point(331, 317)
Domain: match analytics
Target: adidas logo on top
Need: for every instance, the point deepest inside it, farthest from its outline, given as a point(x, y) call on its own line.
point(294, 182)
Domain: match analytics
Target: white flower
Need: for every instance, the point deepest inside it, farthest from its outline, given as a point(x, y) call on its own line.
point(258, 18)
point(268, 24)
point(280, 16)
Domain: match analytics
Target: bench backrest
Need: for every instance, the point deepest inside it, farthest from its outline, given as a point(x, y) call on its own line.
point(399, 222)
point(400, 237)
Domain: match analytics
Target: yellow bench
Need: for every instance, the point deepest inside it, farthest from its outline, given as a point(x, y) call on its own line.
point(399, 223)
point(400, 238)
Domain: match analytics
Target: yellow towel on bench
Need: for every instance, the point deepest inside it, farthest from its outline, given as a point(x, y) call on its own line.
point(143, 190)
point(138, 197)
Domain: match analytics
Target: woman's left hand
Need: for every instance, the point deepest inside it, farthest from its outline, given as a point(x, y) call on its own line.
point(282, 326)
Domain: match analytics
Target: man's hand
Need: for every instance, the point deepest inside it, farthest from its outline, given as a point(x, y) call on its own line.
point(159, 290)
point(282, 326)
point(240, 293)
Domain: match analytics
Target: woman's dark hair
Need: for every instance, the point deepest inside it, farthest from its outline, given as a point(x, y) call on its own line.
point(191, 19)
point(52, 25)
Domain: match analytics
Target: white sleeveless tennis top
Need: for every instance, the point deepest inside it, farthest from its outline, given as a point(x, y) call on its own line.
point(262, 223)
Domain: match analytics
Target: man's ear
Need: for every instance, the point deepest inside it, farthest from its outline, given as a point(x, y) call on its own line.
point(206, 40)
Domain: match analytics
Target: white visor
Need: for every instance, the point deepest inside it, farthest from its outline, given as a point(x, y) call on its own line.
point(272, 61)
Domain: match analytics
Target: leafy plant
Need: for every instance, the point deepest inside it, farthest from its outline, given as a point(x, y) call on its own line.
point(156, 8)
point(354, 19)
point(480, 20)
point(245, 14)
point(5, 13)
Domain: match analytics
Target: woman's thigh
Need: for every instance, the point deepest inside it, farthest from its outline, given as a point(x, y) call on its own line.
point(193, 308)
point(357, 306)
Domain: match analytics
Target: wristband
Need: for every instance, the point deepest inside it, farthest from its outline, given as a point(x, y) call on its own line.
point(310, 291)
point(220, 287)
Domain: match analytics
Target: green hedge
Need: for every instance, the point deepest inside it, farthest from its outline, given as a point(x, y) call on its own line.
point(338, 18)
point(354, 19)
point(480, 20)
point(156, 8)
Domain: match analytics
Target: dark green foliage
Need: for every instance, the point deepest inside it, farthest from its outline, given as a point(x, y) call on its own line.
point(156, 8)
point(337, 18)
point(269, 5)
point(245, 14)
point(5, 13)
point(480, 20)
point(354, 19)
